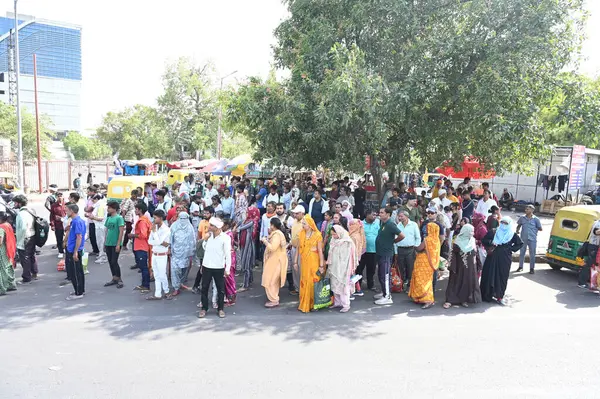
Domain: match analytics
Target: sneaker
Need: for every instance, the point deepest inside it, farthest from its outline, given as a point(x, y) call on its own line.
point(359, 293)
point(582, 286)
point(74, 297)
point(86, 272)
point(532, 272)
point(384, 301)
point(378, 296)
point(352, 297)
point(520, 269)
point(60, 256)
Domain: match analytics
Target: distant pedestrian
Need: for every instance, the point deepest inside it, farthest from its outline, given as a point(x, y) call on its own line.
point(140, 237)
point(115, 229)
point(75, 244)
point(160, 240)
point(529, 225)
point(8, 249)
point(58, 212)
point(25, 233)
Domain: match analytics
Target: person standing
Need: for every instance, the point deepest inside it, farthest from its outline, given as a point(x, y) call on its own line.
point(388, 235)
point(203, 230)
point(25, 233)
point(75, 244)
point(368, 260)
point(89, 204)
point(317, 208)
point(528, 225)
point(342, 262)
point(463, 284)
point(310, 256)
point(140, 237)
point(467, 205)
point(593, 245)
point(413, 210)
point(183, 245)
point(496, 269)
point(276, 261)
point(128, 212)
point(484, 205)
point(8, 250)
point(216, 265)
point(51, 198)
point(295, 226)
point(228, 204)
point(160, 240)
point(98, 217)
point(241, 205)
point(360, 196)
point(261, 193)
point(57, 212)
point(115, 229)
point(426, 264)
point(406, 249)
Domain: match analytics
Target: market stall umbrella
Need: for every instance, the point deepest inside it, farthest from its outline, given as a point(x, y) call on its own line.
point(208, 168)
point(219, 168)
point(238, 162)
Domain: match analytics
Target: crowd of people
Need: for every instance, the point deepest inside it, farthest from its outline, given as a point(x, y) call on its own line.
point(299, 232)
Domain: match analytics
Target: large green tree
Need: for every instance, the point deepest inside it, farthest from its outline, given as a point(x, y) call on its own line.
point(405, 80)
point(8, 130)
point(86, 148)
point(135, 133)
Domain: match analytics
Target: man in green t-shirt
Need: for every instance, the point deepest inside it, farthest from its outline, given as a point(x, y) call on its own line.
point(115, 229)
point(389, 234)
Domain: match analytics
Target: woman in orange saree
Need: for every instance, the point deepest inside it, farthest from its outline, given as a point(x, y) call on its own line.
point(427, 261)
point(310, 256)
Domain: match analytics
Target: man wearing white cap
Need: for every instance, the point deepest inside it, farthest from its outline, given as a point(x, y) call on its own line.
point(441, 199)
point(295, 226)
point(216, 265)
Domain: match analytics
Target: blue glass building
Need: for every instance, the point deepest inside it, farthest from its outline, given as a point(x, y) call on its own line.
point(57, 47)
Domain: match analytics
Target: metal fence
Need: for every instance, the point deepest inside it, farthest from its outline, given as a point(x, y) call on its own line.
point(61, 173)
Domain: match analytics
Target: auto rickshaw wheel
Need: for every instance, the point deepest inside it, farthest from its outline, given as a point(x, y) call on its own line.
point(556, 267)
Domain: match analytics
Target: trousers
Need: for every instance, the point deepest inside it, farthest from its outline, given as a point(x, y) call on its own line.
point(75, 270)
point(532, 245)
point(161, 282)
point(369, 261)
point(60, 237)
point(141, 260)
point(218, 276)
point(93, 237)
point(385, 266)
point(406, 262)
point(28, 260)
point(342, 298)
point(113, 261)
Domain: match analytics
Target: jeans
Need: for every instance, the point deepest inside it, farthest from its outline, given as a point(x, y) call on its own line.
point(406, 262)
point(385, 266)
point(113, 262)
point(128, 227)
point(532, 245)
point(75, 271)
point(141, 260)
point(60, 237)
point(586, 272)
point(27, 259)
point(369, 261)
point(218, 275)
point(93, 240)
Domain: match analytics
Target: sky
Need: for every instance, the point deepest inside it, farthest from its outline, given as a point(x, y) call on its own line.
point(126, 44)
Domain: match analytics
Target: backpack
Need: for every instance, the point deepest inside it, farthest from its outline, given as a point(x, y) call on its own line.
point(41, 228)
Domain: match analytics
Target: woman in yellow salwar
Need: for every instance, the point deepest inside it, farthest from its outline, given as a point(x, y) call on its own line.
point(426, 263)
point(310, 256)
point(275, 262)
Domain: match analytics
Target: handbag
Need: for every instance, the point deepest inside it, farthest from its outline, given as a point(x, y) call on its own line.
point(397, 283)
point(322, 293)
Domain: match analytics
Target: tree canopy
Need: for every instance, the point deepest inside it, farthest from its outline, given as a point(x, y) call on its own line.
point(86, 148)
point(8, 130)
point(404, 80)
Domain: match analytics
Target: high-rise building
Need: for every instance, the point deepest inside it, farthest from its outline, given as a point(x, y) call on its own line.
point(57, 47)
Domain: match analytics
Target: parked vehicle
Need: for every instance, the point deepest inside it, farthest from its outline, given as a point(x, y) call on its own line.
point(120, 187)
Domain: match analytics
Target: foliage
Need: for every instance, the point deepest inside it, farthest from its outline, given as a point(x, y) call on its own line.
point(86, 148)
point(571, 115)
point(8, 130)
point(437, 80)
point(135, 133)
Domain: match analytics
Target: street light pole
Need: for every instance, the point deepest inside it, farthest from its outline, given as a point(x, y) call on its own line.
point(19, 127)
point(219, 132)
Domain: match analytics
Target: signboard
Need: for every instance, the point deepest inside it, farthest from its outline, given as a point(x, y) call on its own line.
point(577, 167)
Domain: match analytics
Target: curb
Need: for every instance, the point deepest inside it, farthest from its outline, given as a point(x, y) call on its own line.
point(539, 258)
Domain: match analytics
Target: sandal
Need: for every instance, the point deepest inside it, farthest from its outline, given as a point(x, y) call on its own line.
point(153, 298)
point(140, 288)
point(428, 305)
point(465, 305)
point(242, 289)
point(447, 305)
point(202, 314)
point(120, 284)
point(175, 293)
point(344, 310)
point(168, 297)
point(111, 282)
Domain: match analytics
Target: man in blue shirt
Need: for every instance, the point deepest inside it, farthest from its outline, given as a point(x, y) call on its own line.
point(261, 193)
point(528, 225)
point(228, 205)
point(406, 249)
point(368, 259)
point(75, 243)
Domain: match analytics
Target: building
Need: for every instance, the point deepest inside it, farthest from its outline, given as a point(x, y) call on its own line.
point(57, 46)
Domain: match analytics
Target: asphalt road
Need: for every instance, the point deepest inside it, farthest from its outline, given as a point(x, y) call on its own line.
point(114, 344)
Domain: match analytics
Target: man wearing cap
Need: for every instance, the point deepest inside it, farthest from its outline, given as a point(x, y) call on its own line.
point(295, 226)
point(528, 225)
point(405, 249)
point(441, 199)
point(216, 265)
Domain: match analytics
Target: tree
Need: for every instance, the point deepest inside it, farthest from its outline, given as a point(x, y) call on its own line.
point(135, 133)
point(86, 148)
point(398, 80)
point(188, 107)
point(571, 114)
point(8, 130)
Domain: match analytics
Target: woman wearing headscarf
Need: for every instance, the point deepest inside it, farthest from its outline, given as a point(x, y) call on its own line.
point(357, 233)
point(347, 211)
point(230, 288)
point(480, 231)
point(276, 262)
point(342, 262)
point(496, 269)
point(426, 263)
point(8, 249)
point(494, 219)
point(463, 284)
point(248, 232)
point(183, 247)
point(310, 256)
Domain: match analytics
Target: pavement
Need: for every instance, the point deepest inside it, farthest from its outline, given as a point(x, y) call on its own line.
point(114, 344)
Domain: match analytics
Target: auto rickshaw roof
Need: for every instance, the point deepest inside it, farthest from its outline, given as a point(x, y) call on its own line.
point(591, 210)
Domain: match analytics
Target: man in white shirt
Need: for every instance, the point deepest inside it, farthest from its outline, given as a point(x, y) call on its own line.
point(272, 197)
point(216, 265)
point(484, 204)
point(441, 200)
point(160, 239)
point(162, 204)
point(195, 208)
point(25, 232)
point(209, 193)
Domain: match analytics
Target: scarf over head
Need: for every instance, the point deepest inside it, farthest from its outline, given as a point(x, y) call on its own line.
point(342, 257)
point(465, 239)
point(505, 232)
point(183, 237)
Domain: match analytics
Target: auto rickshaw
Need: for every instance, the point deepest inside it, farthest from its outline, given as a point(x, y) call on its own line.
point(120, 187)
point(429, 179)
point(571, 228)
point(177, 175)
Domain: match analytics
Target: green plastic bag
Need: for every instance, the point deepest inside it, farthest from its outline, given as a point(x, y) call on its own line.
point(322, 293)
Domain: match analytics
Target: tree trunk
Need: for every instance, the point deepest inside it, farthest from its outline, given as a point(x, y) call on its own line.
point(377, 173)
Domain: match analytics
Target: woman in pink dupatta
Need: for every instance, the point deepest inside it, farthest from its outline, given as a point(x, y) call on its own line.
point(230, 288)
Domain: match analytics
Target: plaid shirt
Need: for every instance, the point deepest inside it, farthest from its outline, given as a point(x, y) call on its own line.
point(128, 209)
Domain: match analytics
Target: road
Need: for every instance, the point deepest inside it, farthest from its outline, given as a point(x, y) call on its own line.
point(114, 344)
